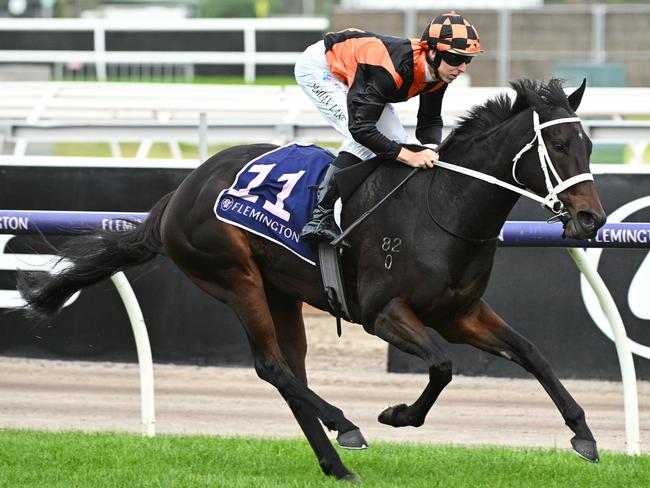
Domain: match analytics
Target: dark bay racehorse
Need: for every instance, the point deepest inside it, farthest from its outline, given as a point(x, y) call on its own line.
point(440, 229)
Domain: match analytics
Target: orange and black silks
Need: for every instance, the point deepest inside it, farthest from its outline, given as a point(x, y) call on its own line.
point(381, 69)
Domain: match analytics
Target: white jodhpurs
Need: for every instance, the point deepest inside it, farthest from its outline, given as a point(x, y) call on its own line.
point(330, 97)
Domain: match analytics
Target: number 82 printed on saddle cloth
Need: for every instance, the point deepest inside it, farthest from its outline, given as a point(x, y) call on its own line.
point(271, 195)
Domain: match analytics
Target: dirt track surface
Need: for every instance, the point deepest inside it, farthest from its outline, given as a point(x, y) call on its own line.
point(348, 372)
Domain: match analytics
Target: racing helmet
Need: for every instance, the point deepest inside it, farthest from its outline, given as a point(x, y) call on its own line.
point(452, 32)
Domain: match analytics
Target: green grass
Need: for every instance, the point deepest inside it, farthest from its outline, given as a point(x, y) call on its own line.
point(609, 154)
point(239, 80)
point(129, 150)
point(616, 154)
point(74, 459)
point(200, 80)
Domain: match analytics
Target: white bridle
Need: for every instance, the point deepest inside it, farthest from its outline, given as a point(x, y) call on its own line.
point(551, 200)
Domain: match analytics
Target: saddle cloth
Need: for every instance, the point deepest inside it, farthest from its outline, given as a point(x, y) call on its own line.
point(271, 195)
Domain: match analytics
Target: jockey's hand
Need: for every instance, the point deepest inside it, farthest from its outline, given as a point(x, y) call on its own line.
point(422, 159)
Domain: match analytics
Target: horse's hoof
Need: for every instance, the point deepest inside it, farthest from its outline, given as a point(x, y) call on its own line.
point(352, 439)
point(586, 449)
point(350, 478)
point(389, 416)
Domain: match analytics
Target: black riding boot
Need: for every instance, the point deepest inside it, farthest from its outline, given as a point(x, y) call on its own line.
point(321, 226)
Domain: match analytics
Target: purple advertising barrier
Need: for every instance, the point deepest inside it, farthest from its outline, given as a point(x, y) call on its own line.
point(514, 234)
point(542, 234)
point(20, 222)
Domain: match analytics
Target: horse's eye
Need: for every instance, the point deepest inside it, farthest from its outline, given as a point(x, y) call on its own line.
point(558, 146)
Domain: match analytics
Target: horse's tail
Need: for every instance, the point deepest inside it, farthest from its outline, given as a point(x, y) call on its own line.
point(89, 259)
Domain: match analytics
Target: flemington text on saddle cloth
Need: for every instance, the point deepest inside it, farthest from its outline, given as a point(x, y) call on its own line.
point(271, 195)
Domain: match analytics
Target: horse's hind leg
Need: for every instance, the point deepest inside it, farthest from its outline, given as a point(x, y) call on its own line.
point(484, 329)
point(398, 325)
point(290, 331)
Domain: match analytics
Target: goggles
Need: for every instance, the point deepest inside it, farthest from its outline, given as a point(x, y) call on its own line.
point(453, 59)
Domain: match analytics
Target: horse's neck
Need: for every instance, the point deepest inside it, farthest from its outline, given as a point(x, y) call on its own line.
point(469, 206)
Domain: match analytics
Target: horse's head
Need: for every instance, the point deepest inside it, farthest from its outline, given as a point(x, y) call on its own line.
point(559, 168)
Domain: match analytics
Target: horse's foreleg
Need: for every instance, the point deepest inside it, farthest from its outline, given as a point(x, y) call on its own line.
point(271, 371)
point(290, 330)
point(398, 325)
point(484, 329)
point(247, 299)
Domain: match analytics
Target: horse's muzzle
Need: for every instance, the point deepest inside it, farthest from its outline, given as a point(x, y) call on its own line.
point(584, 224)
point(585, 214)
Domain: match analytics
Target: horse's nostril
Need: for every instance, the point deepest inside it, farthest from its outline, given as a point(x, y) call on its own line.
point(587, 220)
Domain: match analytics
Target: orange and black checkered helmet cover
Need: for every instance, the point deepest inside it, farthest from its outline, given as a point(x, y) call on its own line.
point(451, 32)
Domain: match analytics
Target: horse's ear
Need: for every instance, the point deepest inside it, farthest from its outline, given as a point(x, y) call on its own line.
point(576, 97)
point(534, 100)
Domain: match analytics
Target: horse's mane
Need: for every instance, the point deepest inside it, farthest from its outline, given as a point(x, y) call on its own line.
point(482, 118)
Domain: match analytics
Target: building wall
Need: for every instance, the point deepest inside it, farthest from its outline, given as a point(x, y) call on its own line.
point(539, 38)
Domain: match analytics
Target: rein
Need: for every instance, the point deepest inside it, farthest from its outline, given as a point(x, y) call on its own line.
point(367, 213)
point(474, 240)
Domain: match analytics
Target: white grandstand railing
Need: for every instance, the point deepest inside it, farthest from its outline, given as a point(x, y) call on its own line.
point(155, 112)
point(635, 134)
point(100, 56)
point(36, 101)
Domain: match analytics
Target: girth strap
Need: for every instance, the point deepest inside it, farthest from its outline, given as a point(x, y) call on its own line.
point(330, 269)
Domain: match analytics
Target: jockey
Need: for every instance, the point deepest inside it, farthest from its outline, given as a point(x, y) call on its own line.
point(353, 76)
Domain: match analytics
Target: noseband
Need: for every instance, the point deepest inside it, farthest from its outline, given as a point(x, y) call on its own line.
point(551, 200)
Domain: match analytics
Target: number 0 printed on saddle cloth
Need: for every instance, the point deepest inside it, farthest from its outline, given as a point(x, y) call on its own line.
point(271, 195)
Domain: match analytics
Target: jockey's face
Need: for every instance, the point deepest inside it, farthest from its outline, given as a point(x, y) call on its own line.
point(448, 73)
